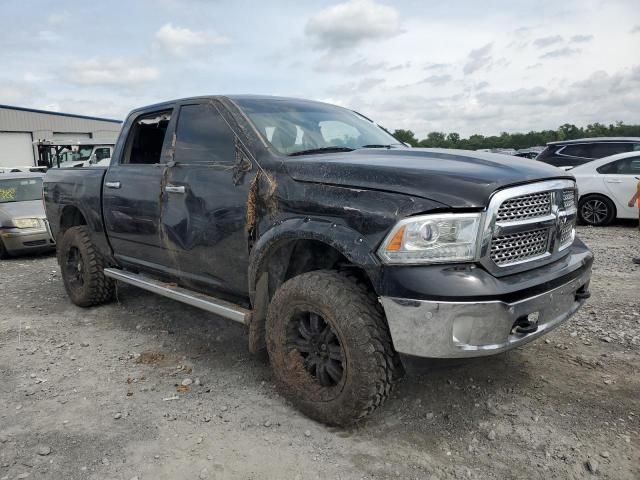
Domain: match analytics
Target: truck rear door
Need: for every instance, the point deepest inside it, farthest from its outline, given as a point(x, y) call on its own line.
point(204, 217)
point(132, 192)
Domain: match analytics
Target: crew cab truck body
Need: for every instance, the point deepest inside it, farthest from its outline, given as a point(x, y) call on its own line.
point(337, 246)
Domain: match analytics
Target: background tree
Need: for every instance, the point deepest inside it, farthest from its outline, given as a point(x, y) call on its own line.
point(406, 136)
point(518, 140)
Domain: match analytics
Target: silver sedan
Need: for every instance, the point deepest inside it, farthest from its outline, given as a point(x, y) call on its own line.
point(23, 224)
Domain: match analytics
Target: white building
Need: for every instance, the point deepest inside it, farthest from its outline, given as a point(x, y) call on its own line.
point(21, 127)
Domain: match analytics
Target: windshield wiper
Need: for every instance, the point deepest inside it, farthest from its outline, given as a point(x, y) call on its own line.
point(376, 145)
point(322, 150)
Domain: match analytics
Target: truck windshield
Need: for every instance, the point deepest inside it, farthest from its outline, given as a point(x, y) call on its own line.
point(20, 189)
point(294, 127)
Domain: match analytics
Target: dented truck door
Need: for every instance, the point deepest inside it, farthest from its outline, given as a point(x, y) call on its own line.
point(132, 188)
point(204, 201)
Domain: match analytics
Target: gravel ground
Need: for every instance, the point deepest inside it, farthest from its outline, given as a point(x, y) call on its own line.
point(101, 393)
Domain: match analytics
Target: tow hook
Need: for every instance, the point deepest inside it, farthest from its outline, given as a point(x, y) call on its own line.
point(525, 326)
point(583, 294)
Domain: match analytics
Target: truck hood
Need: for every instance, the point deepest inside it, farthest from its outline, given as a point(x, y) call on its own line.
point(457, 178)
point(31, 208)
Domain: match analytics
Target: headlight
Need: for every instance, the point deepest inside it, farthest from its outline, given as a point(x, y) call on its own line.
point(26, 222)
point(448, 237)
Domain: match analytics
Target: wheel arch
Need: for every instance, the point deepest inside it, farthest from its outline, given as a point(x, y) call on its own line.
point(299, 246)
point(71, 216)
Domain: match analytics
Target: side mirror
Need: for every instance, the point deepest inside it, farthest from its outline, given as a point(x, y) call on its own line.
point(92, 158)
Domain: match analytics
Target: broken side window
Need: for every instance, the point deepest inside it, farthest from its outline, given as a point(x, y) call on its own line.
point(146, 139)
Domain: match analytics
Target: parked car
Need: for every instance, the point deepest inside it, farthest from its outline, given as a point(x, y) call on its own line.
point(606, 186)
point(529, 152)
point(23, 224)
point(571, 153)
point(337, 246)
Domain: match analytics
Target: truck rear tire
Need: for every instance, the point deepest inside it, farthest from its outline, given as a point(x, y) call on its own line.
point(82, 268)
point(330, 347)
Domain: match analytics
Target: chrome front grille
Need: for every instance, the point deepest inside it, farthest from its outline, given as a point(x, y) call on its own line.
point(525, 206)
point(529, 225)
point(519, 247)
point(567, 234)
point(569, 199)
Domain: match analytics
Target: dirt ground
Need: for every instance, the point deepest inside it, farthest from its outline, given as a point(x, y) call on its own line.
point(93, 394)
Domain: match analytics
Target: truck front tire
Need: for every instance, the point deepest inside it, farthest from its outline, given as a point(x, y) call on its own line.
point(82, 268)
point(330, 347)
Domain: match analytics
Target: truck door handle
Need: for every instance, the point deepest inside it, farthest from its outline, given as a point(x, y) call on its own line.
point(112, 184)
point(174, 189)
point(613, 181)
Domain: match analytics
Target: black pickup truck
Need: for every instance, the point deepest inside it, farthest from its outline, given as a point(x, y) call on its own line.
point(336, 245)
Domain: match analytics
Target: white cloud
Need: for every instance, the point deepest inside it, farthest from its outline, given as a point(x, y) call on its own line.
point(546, 41)
point(437, 80)
point(478, 59)
point(436, 66)
point(56, 19)
point(16, 93)
point(361, 66)
point(119, 71)
point(561, 52)
point(180, 41)
point(581, 38)
point(364, 85)
point(371, 55)
point(99, 108)
point(351, 23)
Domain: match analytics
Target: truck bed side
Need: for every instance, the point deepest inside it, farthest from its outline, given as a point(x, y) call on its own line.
point(73, 196)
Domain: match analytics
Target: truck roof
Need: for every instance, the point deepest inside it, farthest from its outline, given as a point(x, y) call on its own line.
point(231, 97)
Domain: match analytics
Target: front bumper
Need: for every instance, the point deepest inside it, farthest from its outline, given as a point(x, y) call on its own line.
point(21, 241)
point(454, 329)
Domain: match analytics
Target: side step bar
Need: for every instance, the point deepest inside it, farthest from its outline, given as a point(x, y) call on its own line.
point(198, 300)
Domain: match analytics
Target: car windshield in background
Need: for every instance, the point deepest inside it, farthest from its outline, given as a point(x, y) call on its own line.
point(20, 190)
point(295, 127)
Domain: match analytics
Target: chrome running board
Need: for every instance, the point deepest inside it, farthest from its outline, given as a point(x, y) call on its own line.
point(172, 291)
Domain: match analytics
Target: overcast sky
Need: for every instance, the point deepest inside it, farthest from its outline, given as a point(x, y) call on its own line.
point(466, 66)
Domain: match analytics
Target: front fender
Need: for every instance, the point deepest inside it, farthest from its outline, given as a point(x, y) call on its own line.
point(345, 240)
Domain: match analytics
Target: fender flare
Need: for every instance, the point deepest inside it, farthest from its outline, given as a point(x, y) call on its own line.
point(349, 242)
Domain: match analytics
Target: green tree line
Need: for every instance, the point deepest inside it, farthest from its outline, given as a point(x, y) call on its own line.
point(518, 140)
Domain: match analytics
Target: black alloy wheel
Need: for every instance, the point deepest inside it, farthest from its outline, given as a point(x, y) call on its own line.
point(319, 346)
point(75, 268)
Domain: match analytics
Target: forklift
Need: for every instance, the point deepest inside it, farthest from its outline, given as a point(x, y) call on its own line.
point(69, 153)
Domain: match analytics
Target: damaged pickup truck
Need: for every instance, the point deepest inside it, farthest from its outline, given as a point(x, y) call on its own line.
point(337, 246)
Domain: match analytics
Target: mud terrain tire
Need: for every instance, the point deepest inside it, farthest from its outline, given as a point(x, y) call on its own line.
point(351, 316)
point(82, 268)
